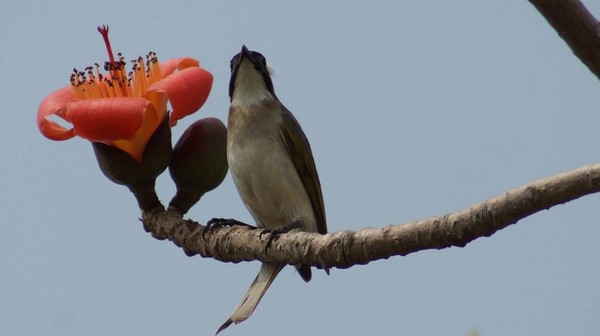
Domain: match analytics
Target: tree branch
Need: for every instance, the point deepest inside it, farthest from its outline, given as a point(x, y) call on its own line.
point(577, 26)
point(347, 248)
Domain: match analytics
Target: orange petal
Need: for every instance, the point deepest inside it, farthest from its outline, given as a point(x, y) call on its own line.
point(108, 119)
point(186, 89)
point(55, 104)
point(135, 147)
point(169, 66)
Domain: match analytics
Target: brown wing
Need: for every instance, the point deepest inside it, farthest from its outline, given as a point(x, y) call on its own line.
point(301, 154)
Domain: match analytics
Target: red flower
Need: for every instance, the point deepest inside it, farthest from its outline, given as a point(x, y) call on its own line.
point(123, 109)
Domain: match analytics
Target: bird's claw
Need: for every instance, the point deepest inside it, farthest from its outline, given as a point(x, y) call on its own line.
point(275, 232)
point(272, 234)
point(221, 222)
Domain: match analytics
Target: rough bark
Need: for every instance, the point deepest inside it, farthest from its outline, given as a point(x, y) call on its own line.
point(347, 248)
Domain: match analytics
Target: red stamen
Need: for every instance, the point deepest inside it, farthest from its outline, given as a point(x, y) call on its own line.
point(104, 31)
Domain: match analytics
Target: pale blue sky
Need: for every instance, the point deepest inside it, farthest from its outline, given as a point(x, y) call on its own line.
point(413, 109)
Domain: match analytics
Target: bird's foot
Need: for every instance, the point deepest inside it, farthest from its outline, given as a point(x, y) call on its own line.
point(275, 232)
point(221, 222)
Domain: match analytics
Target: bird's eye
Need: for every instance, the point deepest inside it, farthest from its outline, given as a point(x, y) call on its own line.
point(260, 58)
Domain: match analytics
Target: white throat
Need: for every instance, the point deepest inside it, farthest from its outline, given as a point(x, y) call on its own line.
point(249, 87)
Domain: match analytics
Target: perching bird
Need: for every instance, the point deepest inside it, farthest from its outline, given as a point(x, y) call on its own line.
point(272, 166)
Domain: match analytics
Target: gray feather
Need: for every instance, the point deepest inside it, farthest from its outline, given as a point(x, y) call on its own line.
point(268, 272)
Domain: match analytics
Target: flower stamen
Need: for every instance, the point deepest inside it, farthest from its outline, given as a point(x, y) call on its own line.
point(89, 84)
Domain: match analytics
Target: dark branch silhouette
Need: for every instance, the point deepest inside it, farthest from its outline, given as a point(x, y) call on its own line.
point(347, 248)
point(577, 26)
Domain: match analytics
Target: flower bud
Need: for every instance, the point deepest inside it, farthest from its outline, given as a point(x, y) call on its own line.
point(199, 162)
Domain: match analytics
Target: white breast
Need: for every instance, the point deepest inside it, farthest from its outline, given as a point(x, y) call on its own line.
point(249, 87)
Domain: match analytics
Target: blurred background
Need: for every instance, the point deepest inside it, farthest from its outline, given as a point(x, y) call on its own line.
point(413, 109)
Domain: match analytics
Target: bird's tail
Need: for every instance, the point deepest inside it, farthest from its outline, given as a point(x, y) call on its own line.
point(268, 272)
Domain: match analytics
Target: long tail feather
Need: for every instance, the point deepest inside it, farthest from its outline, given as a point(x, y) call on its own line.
point(268, 272)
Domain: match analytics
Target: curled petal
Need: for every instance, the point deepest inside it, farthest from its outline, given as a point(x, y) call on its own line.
point(169, 66)
point(108, 119)
point(186, 89)
point(136, 146)
point(55, 104)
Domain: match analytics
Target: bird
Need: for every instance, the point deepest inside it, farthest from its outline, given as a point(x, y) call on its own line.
point(272, 166)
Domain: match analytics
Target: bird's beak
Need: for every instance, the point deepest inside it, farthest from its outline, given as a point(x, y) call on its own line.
point(245, 53)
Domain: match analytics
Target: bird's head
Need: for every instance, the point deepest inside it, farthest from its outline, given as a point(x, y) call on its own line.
point(250, 78)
